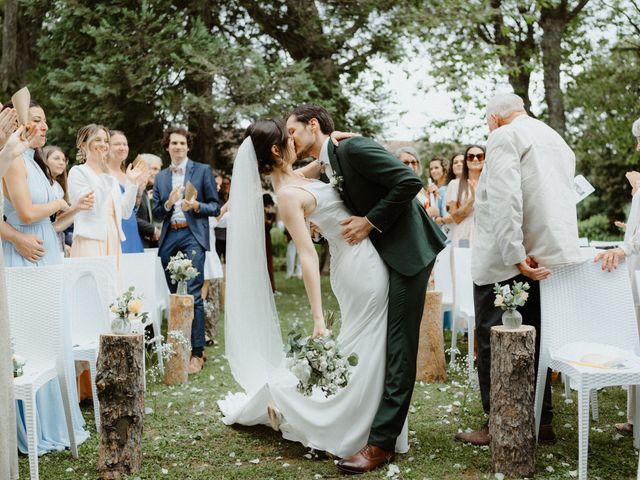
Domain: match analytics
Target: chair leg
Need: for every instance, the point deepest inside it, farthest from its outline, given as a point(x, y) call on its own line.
point(454, 334)
point(595, 413)
point(32, 433)
point(543, 365)
point(158, 340)
point(583, 432)
point(567, 385)
point(471, 327)
point(65, 391)
point(94, 391)
point(636, 415)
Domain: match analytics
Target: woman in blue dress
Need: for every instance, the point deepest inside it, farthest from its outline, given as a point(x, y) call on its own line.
point(29, 202)
point(118, 153)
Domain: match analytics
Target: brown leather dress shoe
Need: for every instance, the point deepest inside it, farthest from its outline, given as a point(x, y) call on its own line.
point(367, 459)
point(195, 365)
point(479, 437)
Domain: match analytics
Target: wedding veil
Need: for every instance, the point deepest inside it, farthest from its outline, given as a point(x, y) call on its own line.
point(253, 341)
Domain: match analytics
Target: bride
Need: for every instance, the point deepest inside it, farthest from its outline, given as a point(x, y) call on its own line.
point(338, 424)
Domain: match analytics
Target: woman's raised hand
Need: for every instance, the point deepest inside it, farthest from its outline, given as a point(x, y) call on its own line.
point(8, 123)
point(85, 202)
point(134, 173)
point(336, 136)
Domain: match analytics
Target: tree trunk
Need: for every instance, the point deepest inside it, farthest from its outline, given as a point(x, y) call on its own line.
point(120, 385)
point(176, 370)
point(553, 28)
point(512, 420)
point(431, 365)
point(8, 65)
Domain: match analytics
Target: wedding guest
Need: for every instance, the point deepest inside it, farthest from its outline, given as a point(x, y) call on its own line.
point(11, 146)
point(56, 161)
point(460, 198)
point(221, 229)
point(118, 153)
point(99, 232)
point(529, 180)
point(438, 173)
point(409, 156)
point(456, 164)
point(294, 268)
point(30, 201)
point(186, 224)
point(269, 222)
point(629, 250)
point(147, 228)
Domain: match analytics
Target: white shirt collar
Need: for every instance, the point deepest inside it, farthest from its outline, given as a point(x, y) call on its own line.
point(324, 152)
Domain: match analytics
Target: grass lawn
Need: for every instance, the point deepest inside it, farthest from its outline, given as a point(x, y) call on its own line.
point(185, 439)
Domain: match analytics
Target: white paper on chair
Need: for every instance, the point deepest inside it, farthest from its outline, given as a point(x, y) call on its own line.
point(596, 356)
point(582, 188)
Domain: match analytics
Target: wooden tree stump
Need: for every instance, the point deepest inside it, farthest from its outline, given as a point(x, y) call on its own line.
point(512, 421)
point(176, 370)
point(120, 385)
point(431, 366)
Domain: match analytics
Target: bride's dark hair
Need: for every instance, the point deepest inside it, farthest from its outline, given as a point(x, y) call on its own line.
point(264, 134)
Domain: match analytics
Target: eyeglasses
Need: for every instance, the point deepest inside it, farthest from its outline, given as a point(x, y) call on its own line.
point(410, 162)
point(479, 156)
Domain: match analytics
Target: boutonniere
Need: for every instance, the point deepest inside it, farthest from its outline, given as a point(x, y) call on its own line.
point(337, 182)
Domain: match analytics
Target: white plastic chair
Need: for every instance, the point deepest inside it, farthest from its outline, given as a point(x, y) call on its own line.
point(583, 241)
point(463, 305)
point(443, 278)
point(34, 297)
point(585, 310)
point(89, 288)
point(139, 271)
point(162, 290)
point(604, 244)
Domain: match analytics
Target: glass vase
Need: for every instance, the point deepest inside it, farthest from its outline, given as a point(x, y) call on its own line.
point(182, 288)
point(120, 326)
point(511, 319)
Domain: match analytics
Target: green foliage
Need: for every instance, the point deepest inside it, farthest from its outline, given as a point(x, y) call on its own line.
point(603, 103)
point(596, 227)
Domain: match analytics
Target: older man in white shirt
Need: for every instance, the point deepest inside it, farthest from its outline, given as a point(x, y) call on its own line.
point(525, 222)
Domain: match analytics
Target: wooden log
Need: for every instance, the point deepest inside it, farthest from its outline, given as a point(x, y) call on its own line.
point(120, 385)
point(176, 370)
point(431, 366)
point(512, 420)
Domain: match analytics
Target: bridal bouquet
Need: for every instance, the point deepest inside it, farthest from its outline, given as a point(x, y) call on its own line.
point(318, 362)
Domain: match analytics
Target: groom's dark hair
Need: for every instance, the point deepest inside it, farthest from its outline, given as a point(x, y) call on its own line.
point(304, 113)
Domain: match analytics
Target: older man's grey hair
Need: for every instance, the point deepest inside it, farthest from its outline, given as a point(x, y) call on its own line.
point(411, 151)
point(635, 129)
point(504, 104)
point(151, 159)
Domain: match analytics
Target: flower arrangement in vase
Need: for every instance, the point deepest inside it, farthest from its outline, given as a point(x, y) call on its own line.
point(509, 298)
point(182, 270)
point(127, 308)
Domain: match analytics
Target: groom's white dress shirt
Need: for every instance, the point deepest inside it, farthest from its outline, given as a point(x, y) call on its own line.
point(324, 159)
point(525, 202)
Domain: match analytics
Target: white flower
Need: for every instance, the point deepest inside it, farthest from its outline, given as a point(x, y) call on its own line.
point(499, 301)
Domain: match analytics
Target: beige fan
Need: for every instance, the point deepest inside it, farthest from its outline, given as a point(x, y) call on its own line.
point(21, 100)
point(190, 192)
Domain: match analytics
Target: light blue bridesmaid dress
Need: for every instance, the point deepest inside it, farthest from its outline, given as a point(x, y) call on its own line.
point(133, 242)
point(51, 425)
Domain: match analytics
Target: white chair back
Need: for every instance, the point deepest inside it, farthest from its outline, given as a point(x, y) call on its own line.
point(583, 303)
point(462, 282)
point(89, 287)
point(443, 278)
point(583, 241)
point(162, 290)
point(139, 271)
point(605, 243)
point(34, 299)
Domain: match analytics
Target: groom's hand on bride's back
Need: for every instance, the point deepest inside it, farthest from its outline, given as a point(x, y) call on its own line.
point(355, 229)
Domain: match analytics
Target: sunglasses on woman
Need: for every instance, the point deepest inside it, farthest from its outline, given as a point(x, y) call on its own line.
point(479, 156)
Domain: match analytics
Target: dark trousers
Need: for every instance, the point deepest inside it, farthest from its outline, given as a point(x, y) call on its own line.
point(183, 241)
point(487, 316)
point(406, 304)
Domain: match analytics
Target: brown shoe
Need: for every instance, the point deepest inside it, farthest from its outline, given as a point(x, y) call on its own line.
point(367, 459)
point(275, 418)
point(479, 437)
point(195, 365)
point(626, 428)
point(546, 435)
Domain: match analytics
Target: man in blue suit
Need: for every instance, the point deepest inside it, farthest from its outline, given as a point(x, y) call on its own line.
point(185, 225)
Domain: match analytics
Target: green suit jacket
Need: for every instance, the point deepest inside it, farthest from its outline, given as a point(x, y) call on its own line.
point(375, 184)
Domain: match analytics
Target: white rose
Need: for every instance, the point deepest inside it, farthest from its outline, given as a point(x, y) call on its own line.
point(499, 301)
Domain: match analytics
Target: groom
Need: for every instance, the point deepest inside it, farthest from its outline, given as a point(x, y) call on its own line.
point(380, 191)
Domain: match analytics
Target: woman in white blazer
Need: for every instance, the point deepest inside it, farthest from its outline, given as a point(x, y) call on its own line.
point(98, 232)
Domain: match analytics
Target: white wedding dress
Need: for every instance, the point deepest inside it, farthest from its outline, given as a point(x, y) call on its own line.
point(339, 424)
